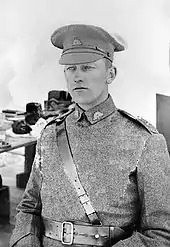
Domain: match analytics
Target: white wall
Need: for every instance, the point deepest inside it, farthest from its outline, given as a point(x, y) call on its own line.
point(29, 63)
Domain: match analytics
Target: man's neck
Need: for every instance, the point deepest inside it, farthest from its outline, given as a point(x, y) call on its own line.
point(86, 107)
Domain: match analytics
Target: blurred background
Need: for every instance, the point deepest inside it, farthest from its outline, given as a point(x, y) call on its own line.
point(29, 63)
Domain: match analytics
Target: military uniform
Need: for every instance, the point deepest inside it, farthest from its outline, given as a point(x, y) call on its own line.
point(122, 163)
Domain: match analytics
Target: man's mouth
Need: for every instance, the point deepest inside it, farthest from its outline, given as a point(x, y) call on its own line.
point(79, 88)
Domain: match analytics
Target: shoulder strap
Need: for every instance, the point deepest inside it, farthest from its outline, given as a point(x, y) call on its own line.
point(148, 126)
point(61, 117)
point(71, 172)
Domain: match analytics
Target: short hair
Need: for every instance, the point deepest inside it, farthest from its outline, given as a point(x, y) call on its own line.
point(108, 63)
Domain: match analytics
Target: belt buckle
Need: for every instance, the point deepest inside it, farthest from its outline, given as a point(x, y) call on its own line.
point(64, 223)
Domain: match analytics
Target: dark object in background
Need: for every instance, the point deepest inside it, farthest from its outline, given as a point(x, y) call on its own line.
point(58, 99)
point(33, 113)
point(21, 127)
point(0, 181)
point(59, 96)
point(4, 144)
point(13, 113)
point(57, 103)
point(4, 204)
point(22, 179)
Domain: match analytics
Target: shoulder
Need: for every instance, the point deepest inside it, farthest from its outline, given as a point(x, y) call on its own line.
point(57, 122)
point(140, 122)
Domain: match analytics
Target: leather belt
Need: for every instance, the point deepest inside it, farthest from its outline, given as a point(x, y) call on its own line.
point(70, 233)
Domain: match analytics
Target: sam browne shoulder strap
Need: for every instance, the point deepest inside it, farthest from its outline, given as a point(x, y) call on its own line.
point(71, 172)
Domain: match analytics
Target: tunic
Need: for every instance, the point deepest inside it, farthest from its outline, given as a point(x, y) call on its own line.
point(123, 164)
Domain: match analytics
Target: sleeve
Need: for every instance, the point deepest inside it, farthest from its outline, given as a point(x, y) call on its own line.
point(153, 176)
point(28, 219)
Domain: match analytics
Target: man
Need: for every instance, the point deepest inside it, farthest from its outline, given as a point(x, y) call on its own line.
point(100, 177)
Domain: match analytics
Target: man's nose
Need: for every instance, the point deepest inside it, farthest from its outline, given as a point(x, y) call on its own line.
point(78, 75)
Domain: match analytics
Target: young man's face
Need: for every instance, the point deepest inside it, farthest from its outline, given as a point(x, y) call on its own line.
point(87, 82)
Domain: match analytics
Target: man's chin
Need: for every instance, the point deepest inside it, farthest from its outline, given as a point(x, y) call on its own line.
point(81, 100)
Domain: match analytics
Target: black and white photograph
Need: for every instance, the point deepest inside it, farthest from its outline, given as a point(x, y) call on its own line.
point(85, 123)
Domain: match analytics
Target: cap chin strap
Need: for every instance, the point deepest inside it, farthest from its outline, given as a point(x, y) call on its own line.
point(71, 172)
point(111, 60)
point(89, 49)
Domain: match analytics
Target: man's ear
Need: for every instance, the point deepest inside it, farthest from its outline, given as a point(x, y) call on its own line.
point(111, 75)
point(65, 74)
point(115, 71)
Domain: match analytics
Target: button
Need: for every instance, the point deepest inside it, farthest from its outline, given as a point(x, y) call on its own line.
point(96, 236)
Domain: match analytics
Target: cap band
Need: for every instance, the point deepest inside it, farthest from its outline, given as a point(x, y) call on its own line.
point(86, 51)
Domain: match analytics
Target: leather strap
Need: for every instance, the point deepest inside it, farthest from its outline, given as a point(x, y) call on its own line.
point(72, 233)
point(59, 119)
point(71, 172)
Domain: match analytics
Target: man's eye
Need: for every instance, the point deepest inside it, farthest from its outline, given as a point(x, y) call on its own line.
point(87, 67)
point(71, 68)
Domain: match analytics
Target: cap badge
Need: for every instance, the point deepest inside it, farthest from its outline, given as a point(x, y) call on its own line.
point(97, 115)
point(76, 41)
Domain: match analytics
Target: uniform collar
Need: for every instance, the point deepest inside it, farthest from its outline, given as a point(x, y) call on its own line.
point(96, 113)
